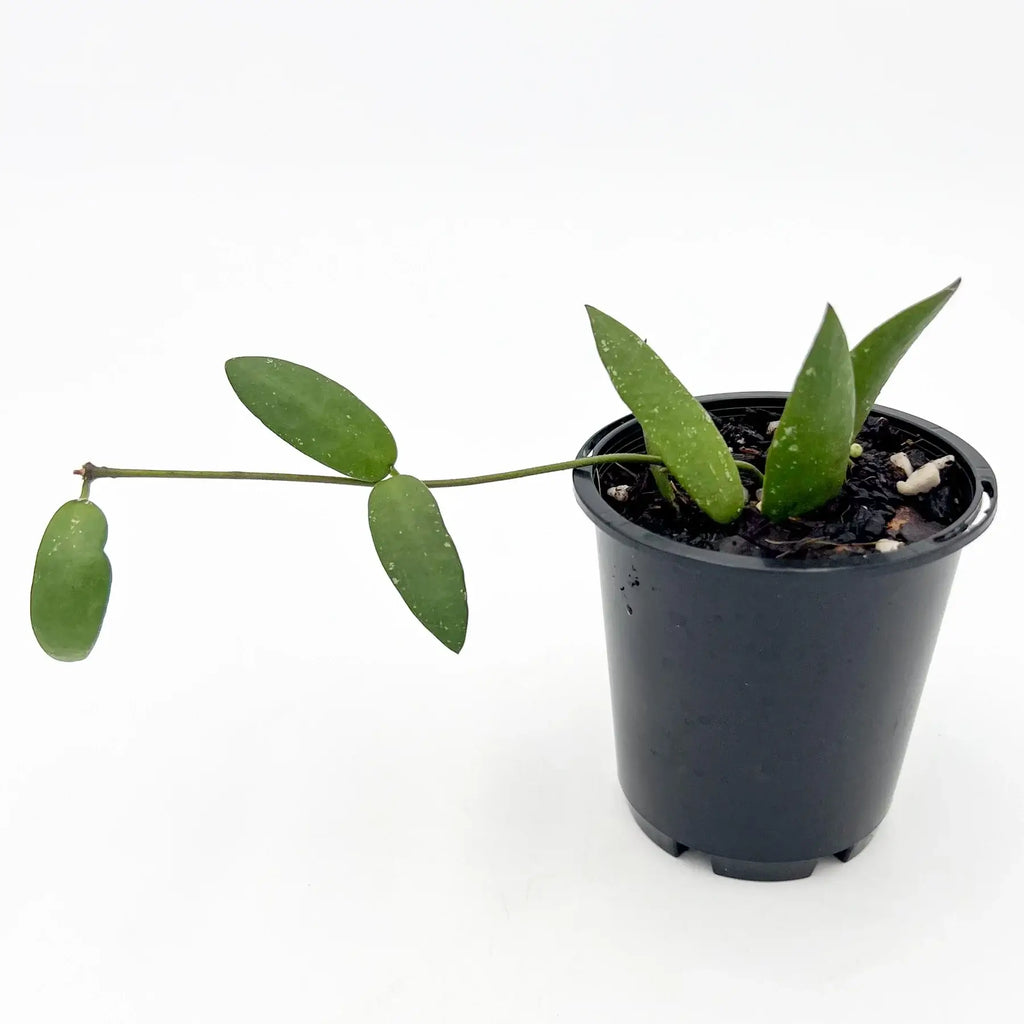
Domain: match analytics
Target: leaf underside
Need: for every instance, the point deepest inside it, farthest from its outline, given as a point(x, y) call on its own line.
point(418, 554)
point(876, 356)
point(314, 414)
point(808, 456)
point(71, 582)
point(676, 426)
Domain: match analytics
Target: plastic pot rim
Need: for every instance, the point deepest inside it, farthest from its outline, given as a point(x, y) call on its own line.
point(971, 523)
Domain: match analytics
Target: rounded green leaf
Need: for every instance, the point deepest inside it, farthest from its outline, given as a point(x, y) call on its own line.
point(877, 355)
point(677, 428)
point(71, 581)
point(419, 557)
point(314, 414)
point(809, 452)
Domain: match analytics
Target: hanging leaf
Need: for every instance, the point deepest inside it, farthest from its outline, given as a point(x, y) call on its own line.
point(71, 582)
point(314, 414)
point(677, 428)
point(811, 447)
point(876, 356)
point(419, 557)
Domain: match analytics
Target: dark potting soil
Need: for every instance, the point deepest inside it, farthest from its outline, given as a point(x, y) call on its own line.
point(867, 509)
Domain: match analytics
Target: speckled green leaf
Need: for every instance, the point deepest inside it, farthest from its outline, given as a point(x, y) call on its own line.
point(71, 582)
point(809, 452)
point(876, 356)
point(419, 557)
point(314, 414)
point(676, 426)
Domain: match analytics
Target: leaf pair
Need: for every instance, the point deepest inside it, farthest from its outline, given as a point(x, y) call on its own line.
point(328, 423)
point(834, 392)
point(807, 461)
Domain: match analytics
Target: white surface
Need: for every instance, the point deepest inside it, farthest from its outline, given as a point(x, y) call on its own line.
point(270, 796)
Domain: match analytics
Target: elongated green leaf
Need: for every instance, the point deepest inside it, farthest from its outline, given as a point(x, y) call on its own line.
point(314, 414)
point(876, 356)
point(676, 426)
point(71, 582)
point(808, 455)
point(419, 557)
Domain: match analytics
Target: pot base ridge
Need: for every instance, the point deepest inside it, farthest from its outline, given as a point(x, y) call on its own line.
point(747, 870)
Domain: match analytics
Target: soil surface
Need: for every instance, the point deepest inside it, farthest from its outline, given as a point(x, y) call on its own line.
point(868, 508)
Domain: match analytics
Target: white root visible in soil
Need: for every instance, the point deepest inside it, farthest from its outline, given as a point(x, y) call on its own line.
point(901, 462)
point(925, 477)
point(887, 544)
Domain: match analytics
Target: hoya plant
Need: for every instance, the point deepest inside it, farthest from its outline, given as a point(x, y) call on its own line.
point(806, 466)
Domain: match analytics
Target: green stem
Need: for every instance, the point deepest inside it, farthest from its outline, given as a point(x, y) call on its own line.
point(751, 469)
point(91, 472)
point(554, 467)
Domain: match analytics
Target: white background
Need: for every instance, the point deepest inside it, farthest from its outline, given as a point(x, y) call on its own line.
point(269, 795)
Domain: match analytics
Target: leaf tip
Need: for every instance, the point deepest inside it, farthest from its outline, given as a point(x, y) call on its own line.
point(832, 325)
point(231, 366)
point(455, 644)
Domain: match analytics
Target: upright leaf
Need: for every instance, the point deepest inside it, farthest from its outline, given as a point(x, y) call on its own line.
point(71, 582)
point(676, 426)
point(876, 356)
point(808, 455)
point(419, 557)
point(314, 414)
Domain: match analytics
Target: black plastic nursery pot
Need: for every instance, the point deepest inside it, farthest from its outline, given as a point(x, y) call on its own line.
point(762, 708)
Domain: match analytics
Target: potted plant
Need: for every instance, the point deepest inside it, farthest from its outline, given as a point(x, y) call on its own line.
point(774, 572)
